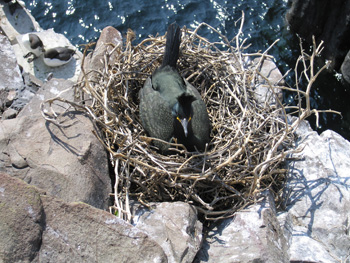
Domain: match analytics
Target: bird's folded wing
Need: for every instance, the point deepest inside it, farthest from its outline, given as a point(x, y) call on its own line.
point(155, 113)
point(192, 90)
point(200, 120)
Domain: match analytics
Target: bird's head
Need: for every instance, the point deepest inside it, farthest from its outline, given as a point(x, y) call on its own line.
point(182, 111)
point(35, 41)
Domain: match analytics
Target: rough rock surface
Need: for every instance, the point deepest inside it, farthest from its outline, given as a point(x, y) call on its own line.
point(39, 228)
point(11, 84)
point(77, 232)
point(11, 78)
point(315, 225)
point(253, 235)
point(345, 68)
point(318, 198)
point(94, 61)
point(21, 220)
point(175, 227)
point(67, 161)
point(270, 77)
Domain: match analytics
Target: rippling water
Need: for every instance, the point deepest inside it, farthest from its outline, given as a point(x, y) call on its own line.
point(82, 21)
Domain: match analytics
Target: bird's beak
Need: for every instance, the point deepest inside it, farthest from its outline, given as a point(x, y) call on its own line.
point(184, 123)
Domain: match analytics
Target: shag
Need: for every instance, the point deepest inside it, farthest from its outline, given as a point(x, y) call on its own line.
point(171, 109)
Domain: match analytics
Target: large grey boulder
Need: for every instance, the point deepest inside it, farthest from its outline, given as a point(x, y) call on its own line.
point(318, 198)
point(252, 235)
point(77, 232)
point(96, 61)
point(67, 161)
point(21, 220)
point(315, 224)
point(175, 227)
point(39, 228)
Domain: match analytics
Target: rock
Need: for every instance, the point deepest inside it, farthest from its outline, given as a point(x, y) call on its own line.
point(253, 235)
point(3, 98)
point(109, 39)
point(269, 70)
point(94, 61)
point(9, 114)
point(10, 97)
point(80, 233)
point(39, 228)
point(49, 90)
point(175, 227)
point(31, 86)
point(318, 198)
point(11, 81)
point(10, 74)
point(67, 161)
point(327, 20)
point(270, 76)
point(345, 68)
point(21, 217)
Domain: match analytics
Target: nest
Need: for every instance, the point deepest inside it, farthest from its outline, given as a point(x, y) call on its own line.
point(249, 140)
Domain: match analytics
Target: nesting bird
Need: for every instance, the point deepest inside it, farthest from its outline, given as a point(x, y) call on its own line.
point(171, 109)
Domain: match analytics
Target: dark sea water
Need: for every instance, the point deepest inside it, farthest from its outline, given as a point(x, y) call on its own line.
point(82, 21)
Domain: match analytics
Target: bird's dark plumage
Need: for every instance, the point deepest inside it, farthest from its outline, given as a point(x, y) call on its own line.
point(170, 107)
point(35, 41)
point(172, 47)
point(58, 56)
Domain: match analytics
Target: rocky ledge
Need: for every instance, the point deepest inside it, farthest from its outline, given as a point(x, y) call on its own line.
point(55, 186)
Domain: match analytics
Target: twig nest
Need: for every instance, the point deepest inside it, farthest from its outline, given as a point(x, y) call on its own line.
point(249, 139)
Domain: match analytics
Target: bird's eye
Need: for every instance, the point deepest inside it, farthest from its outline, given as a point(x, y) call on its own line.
point(190, 118)
point(178, 118)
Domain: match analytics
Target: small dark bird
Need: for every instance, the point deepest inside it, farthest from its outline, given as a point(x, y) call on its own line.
point(170, 107)
point(33, 44)
point(58, 56)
